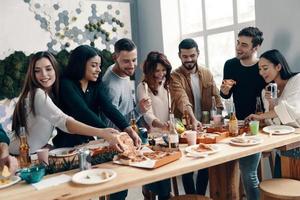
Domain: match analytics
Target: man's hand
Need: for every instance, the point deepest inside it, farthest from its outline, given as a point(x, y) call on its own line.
point(226, 86)
point(196, 125)
point(144, 104)
point(134, 136)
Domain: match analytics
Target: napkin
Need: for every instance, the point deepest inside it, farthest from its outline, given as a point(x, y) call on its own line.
point(57, 180)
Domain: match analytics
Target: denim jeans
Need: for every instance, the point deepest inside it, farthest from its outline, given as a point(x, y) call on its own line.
point(248, 168)
point(161, 188)
point(119, 195)
point(201, 182)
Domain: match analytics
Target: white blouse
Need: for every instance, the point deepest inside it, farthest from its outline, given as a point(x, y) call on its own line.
point(40, 127)
point(159, 109)
point(288, 107)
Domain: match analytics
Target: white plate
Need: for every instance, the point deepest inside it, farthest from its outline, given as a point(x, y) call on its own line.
point(13, 180)
point(249, 141)
point(192, 151)
point(278, 129)
point(62, 152)
point(93, 176)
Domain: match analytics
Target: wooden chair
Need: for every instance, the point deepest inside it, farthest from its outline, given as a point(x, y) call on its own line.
point(279, 189)
point(260, 169)
point(190, 197)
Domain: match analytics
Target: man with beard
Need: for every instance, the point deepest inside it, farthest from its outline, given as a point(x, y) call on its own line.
point(243, 72)
point(117, 80)
point(192, 88)
point(119, 89)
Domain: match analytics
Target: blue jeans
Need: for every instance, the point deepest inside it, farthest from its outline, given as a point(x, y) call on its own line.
point(119, 195)
point(201, 182)
point(161, 188)
point(248, 168)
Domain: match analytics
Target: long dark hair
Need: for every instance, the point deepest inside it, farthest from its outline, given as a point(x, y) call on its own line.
point(149, 67)
point(29, 88)
point(275, 57)
point(75, 69)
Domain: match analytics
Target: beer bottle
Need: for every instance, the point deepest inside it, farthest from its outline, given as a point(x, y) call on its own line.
point(24, 156)
point(186, 119)
point(173, 135)
point(213, 110)
point(233, 124)
point(133, 123)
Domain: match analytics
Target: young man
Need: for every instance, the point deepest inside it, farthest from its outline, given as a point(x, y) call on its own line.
point(243, 72)
point(117, 80)
point(192, 88)
point(120, 92)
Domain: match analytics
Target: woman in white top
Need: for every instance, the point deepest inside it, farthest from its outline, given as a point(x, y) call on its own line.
point(273, 67)
point(157, 71)
point(36, 109)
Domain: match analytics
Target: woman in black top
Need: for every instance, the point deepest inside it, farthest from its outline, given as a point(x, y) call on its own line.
point(82, 97)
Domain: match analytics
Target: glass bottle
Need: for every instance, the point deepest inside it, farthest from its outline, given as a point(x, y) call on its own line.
point(133, 123)
point(186, 119)
point(173, 135)
point(24, 156)
point(258, 107)
point(213, 110)
point(233, 124)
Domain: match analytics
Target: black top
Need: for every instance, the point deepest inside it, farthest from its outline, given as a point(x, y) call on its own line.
point(249, 85)
point(87, 108)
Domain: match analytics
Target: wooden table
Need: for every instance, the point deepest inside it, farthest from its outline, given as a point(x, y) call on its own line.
point(128, 177)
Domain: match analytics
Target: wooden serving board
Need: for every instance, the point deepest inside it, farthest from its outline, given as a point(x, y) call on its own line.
point(209, 138)
point(151, 163)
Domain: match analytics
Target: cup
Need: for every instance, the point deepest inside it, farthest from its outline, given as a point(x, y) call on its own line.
point(191, 137)
point(217, 120)
point(143, 133)
point(43, 155)
point(254, 127)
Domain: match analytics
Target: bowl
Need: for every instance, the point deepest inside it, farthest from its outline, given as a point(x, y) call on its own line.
point(33, 174)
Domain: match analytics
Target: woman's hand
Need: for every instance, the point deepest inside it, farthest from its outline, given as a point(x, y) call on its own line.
point(112, 136)
point(271, 101)
point(144, 104)
point(134, 136)
point(253, 117)
point(13, 164)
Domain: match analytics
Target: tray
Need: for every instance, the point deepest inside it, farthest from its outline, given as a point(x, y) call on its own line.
point(150, 163)
point(207, 138)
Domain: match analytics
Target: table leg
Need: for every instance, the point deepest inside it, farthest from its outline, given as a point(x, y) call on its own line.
point(224, 181)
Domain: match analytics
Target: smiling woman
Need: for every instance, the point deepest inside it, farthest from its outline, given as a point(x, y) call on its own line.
point(36, 109)
point(82, 96)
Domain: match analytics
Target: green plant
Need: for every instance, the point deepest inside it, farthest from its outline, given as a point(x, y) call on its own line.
point(13, 70)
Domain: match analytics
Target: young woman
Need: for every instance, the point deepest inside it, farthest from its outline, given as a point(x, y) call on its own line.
point(36, 109)
point(157, 71)
point(273, 67)
point(83, 98)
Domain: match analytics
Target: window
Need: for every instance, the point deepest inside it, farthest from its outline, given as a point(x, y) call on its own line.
point(214, 24)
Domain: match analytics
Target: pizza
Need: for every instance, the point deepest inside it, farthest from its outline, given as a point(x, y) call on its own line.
point(156, 155)
point(130, 153)
point(5, 173)
point(229, 82)
point(203, 148)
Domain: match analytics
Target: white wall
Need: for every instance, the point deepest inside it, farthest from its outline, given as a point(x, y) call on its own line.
point(149, 30)
point(280, 22)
